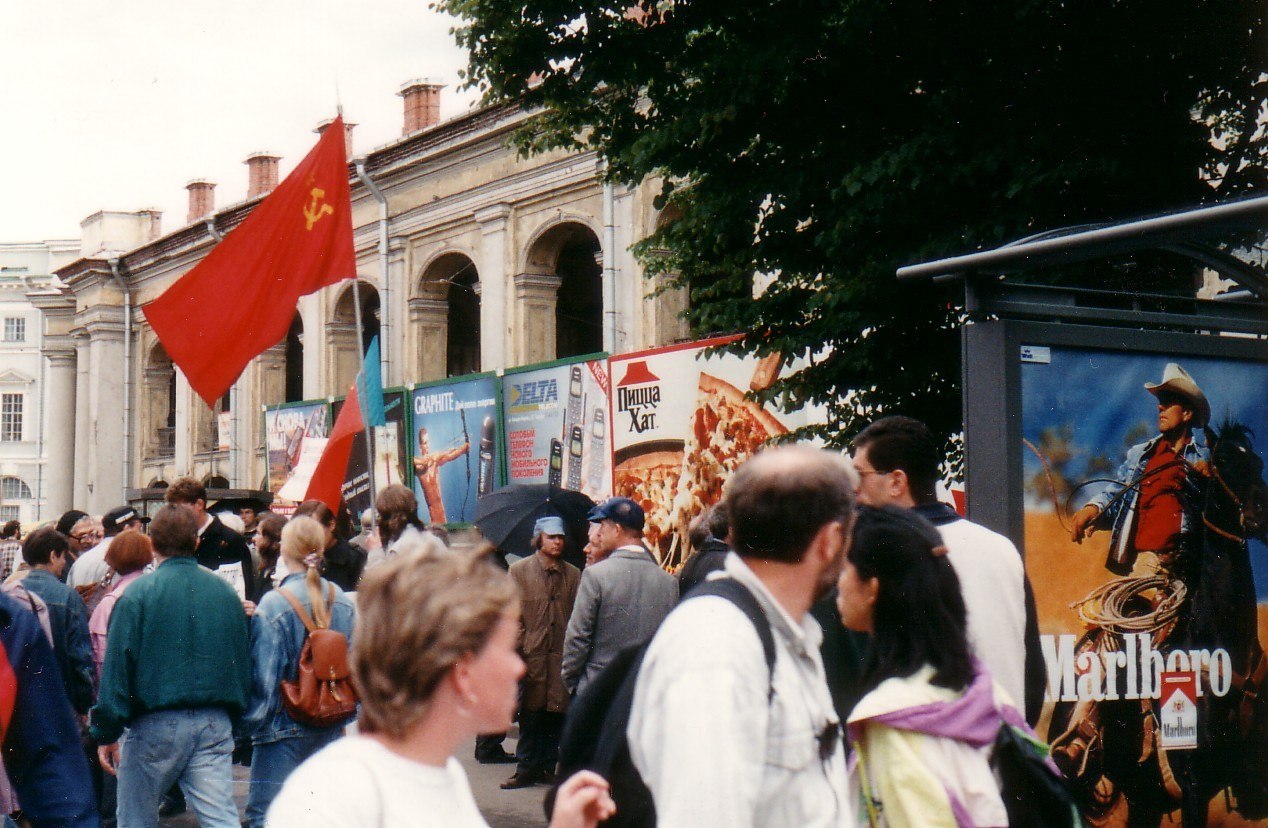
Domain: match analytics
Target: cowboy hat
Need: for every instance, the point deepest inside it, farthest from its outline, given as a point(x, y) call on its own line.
point(1177, 381)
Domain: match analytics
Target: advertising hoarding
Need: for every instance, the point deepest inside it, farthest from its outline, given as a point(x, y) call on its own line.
point(390, 452)
point(457, 447)
point(681, 423)
point(294, 434)
point(1151, 626)
point(556, 423)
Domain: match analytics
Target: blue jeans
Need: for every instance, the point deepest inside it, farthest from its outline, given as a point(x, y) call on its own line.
point(272, 762)
point(192, 747)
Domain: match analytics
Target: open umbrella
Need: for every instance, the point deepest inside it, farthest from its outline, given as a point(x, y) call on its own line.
point(506, 516)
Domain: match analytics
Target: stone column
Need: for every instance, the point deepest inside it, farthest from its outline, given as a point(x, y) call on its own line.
point(536, 295)
point(395, 361)
point(341, 345)
point(184, 456)
point(495, 335)
point(83, 438)
point(631, 287)
point(105, 408)
point(429, 323)
point(59, 436)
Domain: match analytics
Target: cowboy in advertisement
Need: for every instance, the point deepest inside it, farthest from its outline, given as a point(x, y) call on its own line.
point(1183, 603)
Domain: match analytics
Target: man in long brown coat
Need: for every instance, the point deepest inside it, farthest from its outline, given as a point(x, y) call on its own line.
point(548, 588)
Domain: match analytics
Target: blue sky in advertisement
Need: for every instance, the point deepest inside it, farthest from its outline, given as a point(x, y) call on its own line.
point(440, 410)
point(1099, 397)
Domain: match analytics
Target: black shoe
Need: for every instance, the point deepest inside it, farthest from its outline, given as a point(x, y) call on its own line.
point(548, 777)
point(525, 780)
point(495, 757)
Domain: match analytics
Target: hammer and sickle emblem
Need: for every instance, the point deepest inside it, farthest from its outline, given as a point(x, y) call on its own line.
point(315, 210)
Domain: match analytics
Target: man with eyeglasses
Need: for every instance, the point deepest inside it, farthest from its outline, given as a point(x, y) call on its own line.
point(719, 736)
point(897, 461)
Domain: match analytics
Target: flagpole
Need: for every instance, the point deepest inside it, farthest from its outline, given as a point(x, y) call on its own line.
point(369, 429)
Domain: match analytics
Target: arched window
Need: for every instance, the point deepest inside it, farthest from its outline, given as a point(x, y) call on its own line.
point(14, 488)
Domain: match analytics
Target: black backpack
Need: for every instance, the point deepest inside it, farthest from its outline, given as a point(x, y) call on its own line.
point(1034, 794)
point(594, 732)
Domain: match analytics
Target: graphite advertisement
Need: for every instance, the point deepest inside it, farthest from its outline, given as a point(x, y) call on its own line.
point(556, 424)
point(457, 448)
point(681, 424)
point(1144, 536)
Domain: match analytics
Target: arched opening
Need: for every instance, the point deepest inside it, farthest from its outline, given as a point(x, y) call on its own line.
point(344, 338)
point(293, 370)
point(159, 435)
point(446, 317)
point(215, 481)
point(564, 289)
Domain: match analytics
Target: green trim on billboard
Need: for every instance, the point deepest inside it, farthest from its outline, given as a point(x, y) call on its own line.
point(537, 366)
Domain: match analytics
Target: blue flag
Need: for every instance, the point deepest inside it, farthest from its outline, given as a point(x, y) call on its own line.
point(370, 387)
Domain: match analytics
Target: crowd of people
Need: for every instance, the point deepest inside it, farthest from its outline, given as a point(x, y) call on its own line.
point(881, 643)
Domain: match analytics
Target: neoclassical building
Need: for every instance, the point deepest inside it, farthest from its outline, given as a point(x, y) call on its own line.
point(470, 258)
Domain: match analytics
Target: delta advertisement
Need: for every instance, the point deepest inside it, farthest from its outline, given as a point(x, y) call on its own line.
point(390, 451)
point(556, 422)
point(457, 449)
point(682, 423)
point(295, 436)
point(1145, 521)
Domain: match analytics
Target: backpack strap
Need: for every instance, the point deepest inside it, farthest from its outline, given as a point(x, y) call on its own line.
point(740, 595)
point(299, 609)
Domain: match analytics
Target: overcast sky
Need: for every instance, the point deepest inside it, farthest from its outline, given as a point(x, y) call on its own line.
point(117, 105)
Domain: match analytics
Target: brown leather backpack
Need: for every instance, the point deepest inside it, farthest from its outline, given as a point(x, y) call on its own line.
point(322, 695)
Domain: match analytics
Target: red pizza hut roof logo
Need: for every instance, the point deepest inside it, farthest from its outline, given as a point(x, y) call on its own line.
point(639, 403)
point(638, 374)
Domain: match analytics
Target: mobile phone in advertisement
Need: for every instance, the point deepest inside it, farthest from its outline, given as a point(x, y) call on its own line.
point(574, 459)
point(574, 399)
point(488, 449)
point(598, 449)
point(556, 477)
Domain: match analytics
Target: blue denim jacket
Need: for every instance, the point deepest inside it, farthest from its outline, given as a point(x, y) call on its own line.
point(1121, 516)
point(277, 635)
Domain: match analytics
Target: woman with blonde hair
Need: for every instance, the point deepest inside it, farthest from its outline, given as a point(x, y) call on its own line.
point(435, 664)
point(277, 637)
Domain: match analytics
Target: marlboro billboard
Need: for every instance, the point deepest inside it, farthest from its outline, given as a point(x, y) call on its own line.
point(556, 424)
point(681, 424)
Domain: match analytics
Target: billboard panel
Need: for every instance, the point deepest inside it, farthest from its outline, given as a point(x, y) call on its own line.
point(457, 447)
point(287, 429)
point(556, 423)
point(1151, 624)
point(390, 451)
point(681, 424)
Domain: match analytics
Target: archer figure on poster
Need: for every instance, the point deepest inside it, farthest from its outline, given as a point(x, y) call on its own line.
point(427, 469)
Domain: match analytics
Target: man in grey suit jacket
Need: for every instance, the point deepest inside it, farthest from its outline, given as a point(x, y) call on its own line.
point(621, 600)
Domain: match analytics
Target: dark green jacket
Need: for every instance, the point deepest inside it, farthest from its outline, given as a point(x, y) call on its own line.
point(177, 641)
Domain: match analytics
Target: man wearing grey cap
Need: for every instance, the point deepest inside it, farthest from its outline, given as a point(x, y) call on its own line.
point(622, 598)
point(548, 588)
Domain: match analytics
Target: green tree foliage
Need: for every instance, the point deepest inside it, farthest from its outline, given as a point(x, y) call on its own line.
point(827, 143)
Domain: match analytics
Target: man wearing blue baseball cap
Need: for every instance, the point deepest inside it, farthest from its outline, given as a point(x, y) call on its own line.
point(548, 588)
point(622, 598)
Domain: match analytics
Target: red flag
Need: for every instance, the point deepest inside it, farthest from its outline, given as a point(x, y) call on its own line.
point(240, 300)
point(326, 483)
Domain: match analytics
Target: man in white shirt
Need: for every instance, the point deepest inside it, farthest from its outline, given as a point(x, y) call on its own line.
point(91, 566)
point(717, 736)
point(897, 461)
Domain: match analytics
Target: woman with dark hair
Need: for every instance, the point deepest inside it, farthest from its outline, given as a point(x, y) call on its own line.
point(268, 545)
point(923, 733)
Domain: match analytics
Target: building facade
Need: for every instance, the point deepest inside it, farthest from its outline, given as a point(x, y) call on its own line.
point(470, 258)
point(25, 268)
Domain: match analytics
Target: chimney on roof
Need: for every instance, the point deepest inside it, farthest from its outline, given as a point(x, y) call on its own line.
point(202, 199)
point(347, 134)
point(422, 104)
point(261, 173)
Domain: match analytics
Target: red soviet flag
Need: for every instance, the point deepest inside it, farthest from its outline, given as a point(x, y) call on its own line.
point(326, 484)
point(240, 300)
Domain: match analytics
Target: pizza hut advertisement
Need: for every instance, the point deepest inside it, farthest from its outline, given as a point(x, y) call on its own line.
point(556, 421)
point(681, 425)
